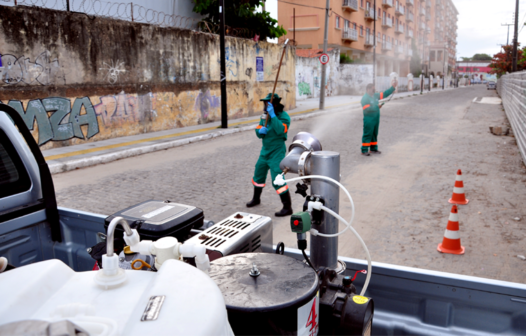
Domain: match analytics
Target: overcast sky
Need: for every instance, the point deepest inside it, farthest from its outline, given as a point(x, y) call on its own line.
point(479, 24)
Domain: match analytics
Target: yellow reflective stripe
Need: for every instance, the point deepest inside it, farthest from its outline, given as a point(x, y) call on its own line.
point(283, 189)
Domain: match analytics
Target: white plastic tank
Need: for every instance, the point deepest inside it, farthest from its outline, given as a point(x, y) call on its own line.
point(177, 300)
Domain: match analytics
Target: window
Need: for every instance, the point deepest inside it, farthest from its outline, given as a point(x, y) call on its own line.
point(388, 39)
point(361, 30)
point(439, 56)
point(368, 5)
point(346, 24)
point(13, 175)
point(338, 22)
point(379, 12)
point(432, 56)
point(361, 3)
point(368, 31)
point(354, 26)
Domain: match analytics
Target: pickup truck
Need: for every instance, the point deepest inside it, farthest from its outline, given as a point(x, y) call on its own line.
point(406, 300)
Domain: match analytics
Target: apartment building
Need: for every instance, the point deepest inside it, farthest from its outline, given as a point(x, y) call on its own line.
point(432, 24)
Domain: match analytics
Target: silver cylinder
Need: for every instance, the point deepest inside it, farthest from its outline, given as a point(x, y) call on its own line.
point(324, 251)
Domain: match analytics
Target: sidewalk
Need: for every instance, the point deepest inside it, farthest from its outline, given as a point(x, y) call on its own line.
point(79, 156)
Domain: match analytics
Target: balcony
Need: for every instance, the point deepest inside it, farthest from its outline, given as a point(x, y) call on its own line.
point(351, 5)
point(387, 3)
point(410, 2)
point(369, 14)
point(369, 40)
point(410, 33)
point(428, 17)
point(399, 29)
point(350, 35)
point(422, 26)
point(428, 30)
point(387, 22)
point(428, 4)
point(422, 11)
point(409, 52)
point(399, 10)
point(398, 50)
point(410, 17)
point(387, 46)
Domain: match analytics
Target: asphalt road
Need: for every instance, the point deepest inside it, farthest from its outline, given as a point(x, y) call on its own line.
point(401, 195)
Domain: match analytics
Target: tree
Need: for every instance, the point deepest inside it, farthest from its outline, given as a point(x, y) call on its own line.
point(466, 59)
point(502, 61)
point(416, 63)
point(481, 57)
point(241, 14)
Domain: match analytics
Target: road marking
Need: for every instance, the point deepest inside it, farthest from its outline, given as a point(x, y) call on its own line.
point(490, 100)
point(129, 143)
point(475, 99)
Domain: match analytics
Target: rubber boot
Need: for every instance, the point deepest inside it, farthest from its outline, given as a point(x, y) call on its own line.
point(287, 205)
point(256, 199)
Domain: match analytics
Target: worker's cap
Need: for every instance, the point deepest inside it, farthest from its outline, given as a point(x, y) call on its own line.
point(267, 98)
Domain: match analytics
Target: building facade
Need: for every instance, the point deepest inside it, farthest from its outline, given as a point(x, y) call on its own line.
point(476, 70)
point(430, 24)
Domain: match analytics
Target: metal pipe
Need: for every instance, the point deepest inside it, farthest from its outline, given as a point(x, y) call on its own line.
point(323, 250)
point(111, 233)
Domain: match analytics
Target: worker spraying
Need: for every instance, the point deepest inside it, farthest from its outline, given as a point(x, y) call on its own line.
point(274, 135)
point(371, 117)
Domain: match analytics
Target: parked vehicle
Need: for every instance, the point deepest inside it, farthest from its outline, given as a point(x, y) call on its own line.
point(38, 238)
point(492, 85)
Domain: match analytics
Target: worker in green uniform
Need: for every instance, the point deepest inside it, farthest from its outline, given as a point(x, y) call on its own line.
point(371, 117)
point(273, 151)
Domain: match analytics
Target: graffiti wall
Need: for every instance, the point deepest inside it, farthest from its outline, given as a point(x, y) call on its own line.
point(308, 76)
point(77, 80)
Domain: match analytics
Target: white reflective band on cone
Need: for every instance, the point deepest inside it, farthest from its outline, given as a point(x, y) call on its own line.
point(458, 190)
point(451, 234)
point(458, 177)
point(453, 217)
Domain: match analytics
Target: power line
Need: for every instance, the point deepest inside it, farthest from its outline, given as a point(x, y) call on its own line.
point(293, 3)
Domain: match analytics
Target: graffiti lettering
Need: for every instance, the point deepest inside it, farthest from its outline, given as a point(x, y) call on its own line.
point(58, 126)
point(248, 72)
point(20, 70)
point(231, 62)
point(124, 108)
point(304, 89)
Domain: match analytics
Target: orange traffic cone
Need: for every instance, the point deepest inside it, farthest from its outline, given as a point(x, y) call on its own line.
point(451, 241)
point(458, 191)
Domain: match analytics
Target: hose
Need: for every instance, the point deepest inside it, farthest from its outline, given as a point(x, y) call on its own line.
point(308, 261)
point(369, 266)
point(369, 263)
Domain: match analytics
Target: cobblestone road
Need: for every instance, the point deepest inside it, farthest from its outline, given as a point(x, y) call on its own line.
point(401, 196)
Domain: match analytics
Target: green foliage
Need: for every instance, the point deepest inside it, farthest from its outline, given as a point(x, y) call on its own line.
point(345, 59)
point(466, 59)
point(415, 65)
point(502, 61)
point(481, 57)
point(241, 14)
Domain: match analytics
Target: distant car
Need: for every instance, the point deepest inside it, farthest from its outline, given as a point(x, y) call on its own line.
point(492, 86)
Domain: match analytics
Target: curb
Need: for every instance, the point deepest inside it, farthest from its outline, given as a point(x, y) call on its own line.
point(62, 167)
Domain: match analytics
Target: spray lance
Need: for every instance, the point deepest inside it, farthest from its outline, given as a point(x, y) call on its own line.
point(276, 80)
point(395, 77)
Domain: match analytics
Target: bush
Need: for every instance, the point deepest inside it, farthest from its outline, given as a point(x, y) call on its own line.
point(345, 59)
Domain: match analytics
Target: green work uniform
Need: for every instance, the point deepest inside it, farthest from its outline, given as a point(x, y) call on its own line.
point(371, 119)
point(273, 150)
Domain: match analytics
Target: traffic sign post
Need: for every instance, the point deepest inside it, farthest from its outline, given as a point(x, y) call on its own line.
point(324, 59)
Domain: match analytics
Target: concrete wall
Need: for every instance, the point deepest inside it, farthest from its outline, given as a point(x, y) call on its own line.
point(76, 78)
point(353, 78)
point(308, 76)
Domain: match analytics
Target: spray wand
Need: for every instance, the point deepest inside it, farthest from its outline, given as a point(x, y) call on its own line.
point(276, 80)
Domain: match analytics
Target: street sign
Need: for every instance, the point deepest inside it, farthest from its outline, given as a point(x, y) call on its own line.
point(324, 58)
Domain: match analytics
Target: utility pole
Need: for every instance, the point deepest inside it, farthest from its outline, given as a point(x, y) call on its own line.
point(515, 37)
point(323, 66)
point(374, 44)
point(224, 111)
point(507, 24)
